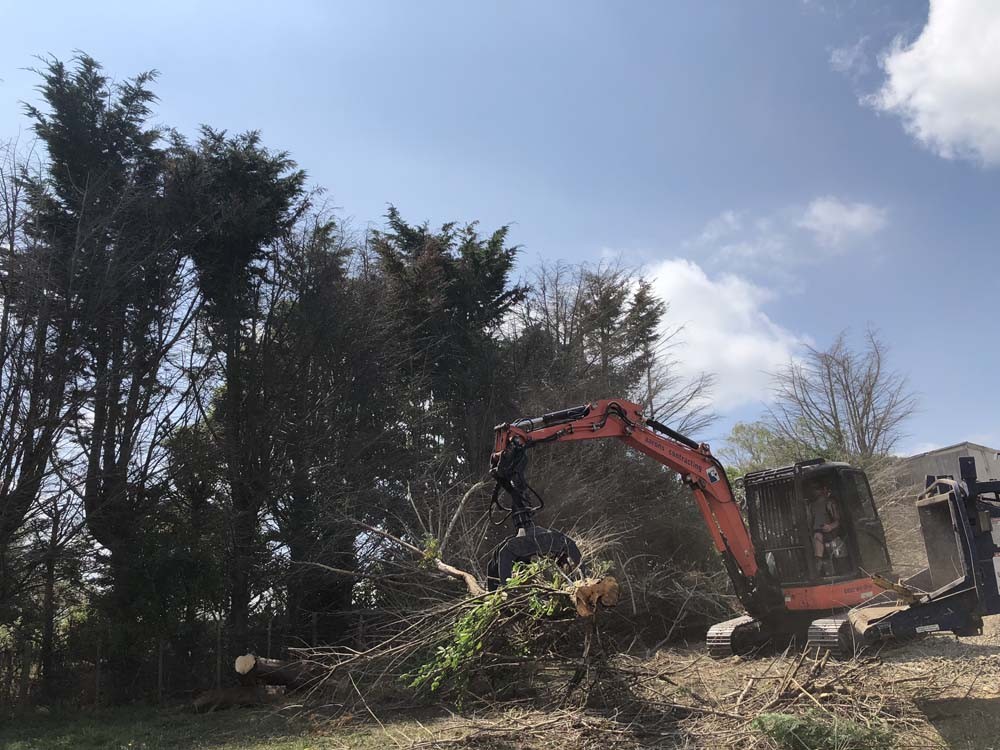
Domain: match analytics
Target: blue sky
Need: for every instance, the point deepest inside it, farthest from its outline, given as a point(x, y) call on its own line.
point(785, 170)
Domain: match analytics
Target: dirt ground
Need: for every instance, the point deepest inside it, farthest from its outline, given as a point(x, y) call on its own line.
point(940, 692)
point(946, 690)
point(955, 683)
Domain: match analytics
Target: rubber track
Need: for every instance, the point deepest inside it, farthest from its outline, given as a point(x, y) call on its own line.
point(832, 634)
point(720, 636)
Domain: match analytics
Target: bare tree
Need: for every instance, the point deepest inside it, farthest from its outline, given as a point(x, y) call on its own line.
point(35, 338)
point(591, 332)
point(842, 402)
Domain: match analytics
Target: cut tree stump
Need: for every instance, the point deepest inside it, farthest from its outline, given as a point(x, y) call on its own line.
point(591, 592)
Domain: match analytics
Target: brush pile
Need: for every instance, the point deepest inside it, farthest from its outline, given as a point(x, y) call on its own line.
point(516, 643)
point(548, 661)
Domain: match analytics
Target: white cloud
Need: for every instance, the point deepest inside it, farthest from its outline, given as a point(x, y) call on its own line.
point(834, 221)
point(791, 236)
point(852, 60)
point(946, 85)
point(726, 331)
point(724, 225)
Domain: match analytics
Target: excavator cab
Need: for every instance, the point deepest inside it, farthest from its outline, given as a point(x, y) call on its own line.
point(814, 523)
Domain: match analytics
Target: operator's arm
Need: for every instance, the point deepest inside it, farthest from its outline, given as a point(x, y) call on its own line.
point(834, 511)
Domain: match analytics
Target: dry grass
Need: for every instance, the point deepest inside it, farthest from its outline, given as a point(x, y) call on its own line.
point(935, 693)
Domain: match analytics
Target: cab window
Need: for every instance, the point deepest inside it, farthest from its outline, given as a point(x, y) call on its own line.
point(859, 499)
point(868, 531)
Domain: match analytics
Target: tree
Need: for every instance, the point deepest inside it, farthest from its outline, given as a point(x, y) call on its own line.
point(752, 446)
point(842, 402)
point(337, 442)
point(243, 198)
point(588, 333)
point(120, 289)
point(449, 292)
point(38, 335)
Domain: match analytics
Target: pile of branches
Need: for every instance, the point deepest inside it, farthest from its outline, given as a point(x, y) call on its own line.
point(536, 637)
point(533, 664)
point(547, 639)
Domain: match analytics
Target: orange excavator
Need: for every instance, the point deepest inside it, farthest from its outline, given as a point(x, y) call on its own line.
point(805, 550)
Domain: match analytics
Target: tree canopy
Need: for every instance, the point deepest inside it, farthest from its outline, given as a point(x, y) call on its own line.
point(211, 387)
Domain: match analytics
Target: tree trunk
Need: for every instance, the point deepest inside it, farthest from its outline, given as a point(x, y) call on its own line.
point(240, 471)
point(48, 605)
point(291, 674)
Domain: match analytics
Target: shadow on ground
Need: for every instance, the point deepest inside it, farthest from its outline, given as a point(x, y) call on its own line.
point(965, 723)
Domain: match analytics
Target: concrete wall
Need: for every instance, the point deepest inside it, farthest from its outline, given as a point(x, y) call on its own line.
point(945, 461)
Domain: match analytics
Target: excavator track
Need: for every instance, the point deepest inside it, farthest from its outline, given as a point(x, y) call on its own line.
point(833, 634)
point(731, 637)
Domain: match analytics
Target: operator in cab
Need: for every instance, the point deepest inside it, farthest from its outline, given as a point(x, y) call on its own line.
point(823, 508)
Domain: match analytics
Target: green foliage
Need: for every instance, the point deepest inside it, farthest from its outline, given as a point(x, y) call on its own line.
point(752, 446)
point(452, 663)
point(242, 197)
point(432, 550)
point(816, 731)
point(447, 293)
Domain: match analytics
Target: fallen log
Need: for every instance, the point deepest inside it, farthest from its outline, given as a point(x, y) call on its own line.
point(290, 674)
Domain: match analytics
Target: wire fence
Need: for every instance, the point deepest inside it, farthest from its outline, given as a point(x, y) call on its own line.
point(93, 665)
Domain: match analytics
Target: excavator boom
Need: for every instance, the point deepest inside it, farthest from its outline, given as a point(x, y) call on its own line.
point(694, 462)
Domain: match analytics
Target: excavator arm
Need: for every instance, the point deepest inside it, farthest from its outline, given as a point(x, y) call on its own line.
point(694, 462)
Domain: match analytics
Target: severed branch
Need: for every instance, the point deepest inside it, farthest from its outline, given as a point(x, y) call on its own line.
point(474, 587)
point(470, 580)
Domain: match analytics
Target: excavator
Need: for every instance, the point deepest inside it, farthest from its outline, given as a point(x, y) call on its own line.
point(806, 552)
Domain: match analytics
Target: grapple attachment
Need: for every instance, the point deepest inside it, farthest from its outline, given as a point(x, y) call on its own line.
point(508, 466)
point(530, 544)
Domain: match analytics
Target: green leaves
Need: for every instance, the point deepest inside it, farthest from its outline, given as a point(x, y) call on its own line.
point(450, 659)
point(239, 197)
point(432, 550)
point(496, 621)
point(815, 731)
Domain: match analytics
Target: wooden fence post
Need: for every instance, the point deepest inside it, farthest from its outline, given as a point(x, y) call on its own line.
point(218, 654)
point(159, 672)
point(24, 688)
point(97, 674)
